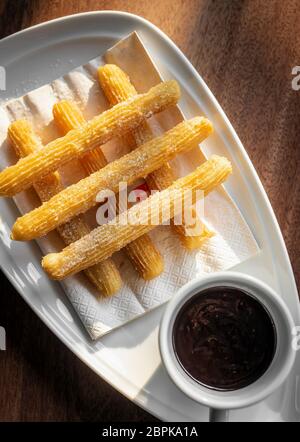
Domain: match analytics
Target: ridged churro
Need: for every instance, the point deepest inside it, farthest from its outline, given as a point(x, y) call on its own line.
point(79, 197)
point(113, 122)
point(107, 239)
point(143, 254)
point(67, 117)
point(104, 275)
point(117, 87)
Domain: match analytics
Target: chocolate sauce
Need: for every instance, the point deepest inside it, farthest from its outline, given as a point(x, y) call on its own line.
point(224, 338)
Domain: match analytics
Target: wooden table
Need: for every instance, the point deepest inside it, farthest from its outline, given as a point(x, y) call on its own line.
point(245, 51)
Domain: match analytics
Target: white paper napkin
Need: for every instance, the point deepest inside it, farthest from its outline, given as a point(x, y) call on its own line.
point(232, 244)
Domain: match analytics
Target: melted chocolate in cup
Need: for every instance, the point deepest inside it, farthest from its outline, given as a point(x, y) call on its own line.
point(224, 338)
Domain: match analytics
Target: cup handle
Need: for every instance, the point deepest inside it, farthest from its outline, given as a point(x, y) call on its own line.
point(218, 415)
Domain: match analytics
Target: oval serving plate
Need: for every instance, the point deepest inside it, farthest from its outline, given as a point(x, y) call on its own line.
point(128, 358)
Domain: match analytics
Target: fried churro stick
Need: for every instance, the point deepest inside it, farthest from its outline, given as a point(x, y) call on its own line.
point(107, 239)
point(24, 141)
point(79, 197)
point(117, 88)
point(67, 117)
point(104, 275)
point(143, 254)
point(113, 122)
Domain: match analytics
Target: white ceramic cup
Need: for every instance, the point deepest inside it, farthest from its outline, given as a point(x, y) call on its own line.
point(222, 401)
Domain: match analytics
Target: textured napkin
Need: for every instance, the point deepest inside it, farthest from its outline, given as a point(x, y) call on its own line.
point(232, 244)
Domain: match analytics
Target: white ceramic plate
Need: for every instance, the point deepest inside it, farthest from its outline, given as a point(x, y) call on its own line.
point(128, 358)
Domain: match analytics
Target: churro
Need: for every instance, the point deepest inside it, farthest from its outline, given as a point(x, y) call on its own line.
point(67, 117)
point(79, 197)
point(102, 242)
point(117, 87)
point(123, 117)
point(143, 254)
point(104, 275)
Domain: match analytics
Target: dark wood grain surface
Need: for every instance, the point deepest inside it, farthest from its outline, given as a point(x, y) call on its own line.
point(245, 50)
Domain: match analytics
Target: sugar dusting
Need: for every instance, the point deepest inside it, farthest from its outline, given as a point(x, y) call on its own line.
point(136, 297)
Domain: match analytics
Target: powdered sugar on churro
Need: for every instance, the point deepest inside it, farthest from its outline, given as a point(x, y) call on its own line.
point(232, 243)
